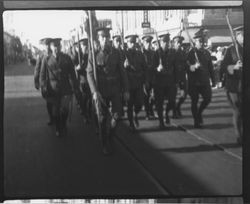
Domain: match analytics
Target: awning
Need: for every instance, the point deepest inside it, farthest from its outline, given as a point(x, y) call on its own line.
point(220, 36)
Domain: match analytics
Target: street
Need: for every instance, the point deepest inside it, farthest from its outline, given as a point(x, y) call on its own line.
point(177, 161)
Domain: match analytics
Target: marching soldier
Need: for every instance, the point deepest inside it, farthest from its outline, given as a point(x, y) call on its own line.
point(117, 43)
point(181, 69)
point(164, 79)
point(85, 96)
point(45, 42)
point(110, 73)
point(148, 54)
point(135, 65)
point(57, 71)
point(199, 74)
point(231, 67)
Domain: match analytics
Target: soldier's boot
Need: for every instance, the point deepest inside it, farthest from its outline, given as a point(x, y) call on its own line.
point(51, 118)
point(58, 126)
point(131, 121)
point(178, 106)
point(167, 120)
point(175, 115)
point(197, 123)
point(200, 118)
point(64, 118)
point(136, 120)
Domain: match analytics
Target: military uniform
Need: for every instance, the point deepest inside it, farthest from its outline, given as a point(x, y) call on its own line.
point(199, 79)
point(149, 56)
point(181, 69)
point(122, 58)
point(136, 78)
point(164, 81)
point(112, 80)
point(58, 72)
point(233, 84)
point(37, 71)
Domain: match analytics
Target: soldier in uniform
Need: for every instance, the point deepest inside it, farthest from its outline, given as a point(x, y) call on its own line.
point(199, 74)
point(164, 79)
point(57, 80)
point(112, 80)
point(117, 44)
point(135, 65)
point(148, 54)
point(45, 42)
point(85, 97)
point(181, 69)
point(231, 67)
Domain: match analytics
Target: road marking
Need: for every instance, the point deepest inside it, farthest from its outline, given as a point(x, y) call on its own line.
point(207, 141)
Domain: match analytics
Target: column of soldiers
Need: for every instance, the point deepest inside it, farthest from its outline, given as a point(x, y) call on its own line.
point(133, 76)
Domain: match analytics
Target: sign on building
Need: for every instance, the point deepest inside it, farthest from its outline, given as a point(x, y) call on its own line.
point(145, 23)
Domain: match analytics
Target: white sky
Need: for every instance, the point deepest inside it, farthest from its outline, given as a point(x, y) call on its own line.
point(50, 23)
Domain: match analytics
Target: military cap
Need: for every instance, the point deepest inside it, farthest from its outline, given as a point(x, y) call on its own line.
point(179, 38)
point(131, 38)
point(147, 38)
point(118, 37)
point(165, 37)
point(239, 28)
point(200, 33)
point(84, 41)
point(104, 31)
point(56, 41)
point(45, 41)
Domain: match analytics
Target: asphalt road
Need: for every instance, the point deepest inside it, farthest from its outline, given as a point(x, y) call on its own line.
point(177, 161)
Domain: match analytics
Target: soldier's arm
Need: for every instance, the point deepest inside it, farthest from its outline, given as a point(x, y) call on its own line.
point(42, 77)
point(123, 74)
point(211, 68)
point(37, 71)
point(156, 61)
point(72, 73)
point(144, 67)
point(90, 75)
point(225, 62)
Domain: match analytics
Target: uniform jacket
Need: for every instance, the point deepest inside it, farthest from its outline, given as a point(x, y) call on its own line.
point(136, 72)
point(111, 76)
point(38, 69)
point(232, 81)
point(60, 72)
point(169, 75)
point(181, 65)
point(202, 75)
point(149, 56)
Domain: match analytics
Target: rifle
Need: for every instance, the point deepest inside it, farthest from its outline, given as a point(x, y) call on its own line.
point(191, 42)
point(233, 36)
point(98, 102)
point(79, 48)
point(123, 45)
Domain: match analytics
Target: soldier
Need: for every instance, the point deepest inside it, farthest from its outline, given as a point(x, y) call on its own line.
point(232, 67)
point(45, 42)
point(135, 65)
point(165, 79)
point(148, 54)
point(110, 74)
point(117, 43)
point(181, 69)
point(57, 71)
point(85, 96)
point(199, 74)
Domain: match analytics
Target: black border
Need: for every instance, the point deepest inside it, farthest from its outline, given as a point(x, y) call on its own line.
point(246, 97)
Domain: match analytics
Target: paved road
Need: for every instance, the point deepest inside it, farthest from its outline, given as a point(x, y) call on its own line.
point(176, 161)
